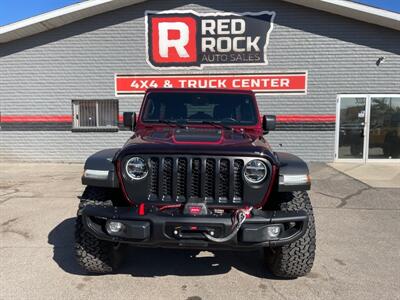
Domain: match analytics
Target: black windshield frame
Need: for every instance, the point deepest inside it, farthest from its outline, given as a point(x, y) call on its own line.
point(235, 109)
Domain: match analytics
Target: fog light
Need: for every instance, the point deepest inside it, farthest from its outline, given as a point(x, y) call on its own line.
point(273, 231)
point(113, 227)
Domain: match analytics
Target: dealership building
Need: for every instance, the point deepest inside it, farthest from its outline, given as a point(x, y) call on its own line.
point(328, 69)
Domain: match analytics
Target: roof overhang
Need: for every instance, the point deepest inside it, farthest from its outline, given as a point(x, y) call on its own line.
point(354, 10)
point(60, 17)
point(75, 12)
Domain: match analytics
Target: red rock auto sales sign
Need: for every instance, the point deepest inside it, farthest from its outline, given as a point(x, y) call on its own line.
point(187, 39)
point(272, 83)
point(191, 40)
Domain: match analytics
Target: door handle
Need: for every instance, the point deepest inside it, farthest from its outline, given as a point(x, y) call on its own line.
point(362, 131)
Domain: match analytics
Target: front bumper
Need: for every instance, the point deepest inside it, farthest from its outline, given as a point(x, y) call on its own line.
point(183, 231)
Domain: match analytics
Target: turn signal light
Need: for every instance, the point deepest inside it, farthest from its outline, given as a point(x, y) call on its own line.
point(294, 179)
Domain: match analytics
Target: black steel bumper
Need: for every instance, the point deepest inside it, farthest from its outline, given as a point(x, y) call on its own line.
point(183, 231)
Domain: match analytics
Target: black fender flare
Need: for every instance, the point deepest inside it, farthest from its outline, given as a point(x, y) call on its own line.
point(100, 170)
point(294, 174)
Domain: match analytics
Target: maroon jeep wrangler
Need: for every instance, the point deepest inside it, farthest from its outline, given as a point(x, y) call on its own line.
point(197, 173)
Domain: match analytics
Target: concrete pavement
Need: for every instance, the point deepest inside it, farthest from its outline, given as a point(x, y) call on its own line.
point(358, 246)
point(379, 175)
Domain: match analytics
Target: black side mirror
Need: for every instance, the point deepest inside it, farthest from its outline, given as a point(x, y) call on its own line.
point(269, 123)
point(130, 120)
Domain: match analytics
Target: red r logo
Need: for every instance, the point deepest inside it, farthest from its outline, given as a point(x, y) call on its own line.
point(173, 40)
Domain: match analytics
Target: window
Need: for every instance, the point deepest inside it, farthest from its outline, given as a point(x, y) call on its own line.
point(368, 127)
point(384, 128)
point(98, 114)
point(235, 108)
point(95, 114)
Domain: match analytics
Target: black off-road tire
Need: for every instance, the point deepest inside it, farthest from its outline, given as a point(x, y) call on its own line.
point(94, 255)
point(295, 259)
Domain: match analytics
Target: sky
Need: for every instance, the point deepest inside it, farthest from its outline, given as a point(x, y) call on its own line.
point(15, 10)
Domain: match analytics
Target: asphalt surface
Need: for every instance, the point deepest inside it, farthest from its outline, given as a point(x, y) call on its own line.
point(358, 247)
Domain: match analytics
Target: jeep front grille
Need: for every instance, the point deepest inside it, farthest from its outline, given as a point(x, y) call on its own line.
point(178, 179)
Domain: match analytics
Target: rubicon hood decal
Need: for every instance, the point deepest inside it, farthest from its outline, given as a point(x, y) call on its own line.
point(187, 39)
point(208, 141)
point(194, 135)
point(197, 136)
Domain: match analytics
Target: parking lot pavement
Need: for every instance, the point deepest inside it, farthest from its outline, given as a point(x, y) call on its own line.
point(377, 174)
point(358, 246)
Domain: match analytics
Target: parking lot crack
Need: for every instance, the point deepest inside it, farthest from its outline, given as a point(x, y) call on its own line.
point(348, 197)
point(7, 228)
point(6, 223)
point(14, 196)
point(13, 191)
point(278, 292)
point(24, 234)
point(345, 199)
point(328, 195)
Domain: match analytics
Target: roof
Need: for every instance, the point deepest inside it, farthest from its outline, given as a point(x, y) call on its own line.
point(60, 17)
point(82, 10)
point(355, 11)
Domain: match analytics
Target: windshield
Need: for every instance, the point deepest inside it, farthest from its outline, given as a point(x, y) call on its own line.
point(235, 109)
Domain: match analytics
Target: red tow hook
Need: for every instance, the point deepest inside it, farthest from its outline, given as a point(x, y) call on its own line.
point(247, 211)
point(141, 211)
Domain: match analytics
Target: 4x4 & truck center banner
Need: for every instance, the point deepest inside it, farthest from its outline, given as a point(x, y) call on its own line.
point(286, 83)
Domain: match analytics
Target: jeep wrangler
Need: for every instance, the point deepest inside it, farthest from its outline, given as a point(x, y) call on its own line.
point(197, 173)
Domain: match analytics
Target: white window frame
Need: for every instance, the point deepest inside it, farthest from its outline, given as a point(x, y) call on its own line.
point(75, 111)
point(365, 158)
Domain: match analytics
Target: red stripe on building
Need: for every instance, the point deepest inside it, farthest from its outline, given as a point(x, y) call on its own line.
point(68, 118)
point(305, 118)
point(36, 119)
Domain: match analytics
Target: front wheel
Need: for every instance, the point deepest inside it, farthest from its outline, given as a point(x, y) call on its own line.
point(295, 259)
point(94, 255)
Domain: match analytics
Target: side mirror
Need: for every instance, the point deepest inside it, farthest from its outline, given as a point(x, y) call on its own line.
point(269, 123)
point(130, 120)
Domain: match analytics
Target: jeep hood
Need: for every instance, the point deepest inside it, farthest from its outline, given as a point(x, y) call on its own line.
point(192, 140)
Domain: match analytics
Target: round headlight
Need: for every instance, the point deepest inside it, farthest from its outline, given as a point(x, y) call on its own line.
point(255, 171)
point(136, 168)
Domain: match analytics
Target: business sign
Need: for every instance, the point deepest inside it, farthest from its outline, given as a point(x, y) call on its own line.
point(271, 83)
point(187, 39)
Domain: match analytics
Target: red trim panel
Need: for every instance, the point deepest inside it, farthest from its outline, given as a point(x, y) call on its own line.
point(305, 118)
point(121, 183)
point(271, 185)
point(35, 118)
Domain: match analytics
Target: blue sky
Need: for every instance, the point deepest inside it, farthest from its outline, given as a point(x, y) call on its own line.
point(15, 10)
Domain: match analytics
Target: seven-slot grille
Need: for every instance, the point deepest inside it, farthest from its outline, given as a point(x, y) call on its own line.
point(178, 179)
